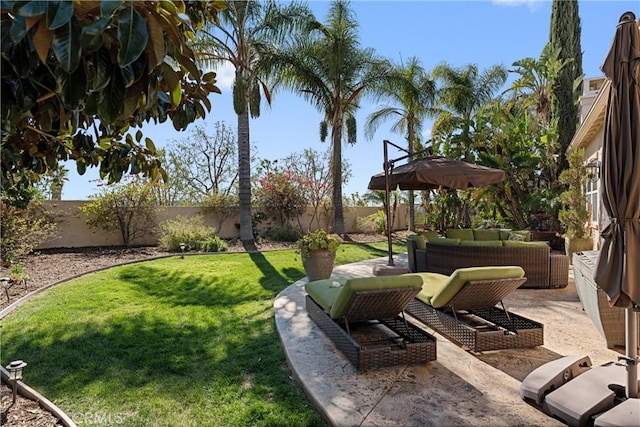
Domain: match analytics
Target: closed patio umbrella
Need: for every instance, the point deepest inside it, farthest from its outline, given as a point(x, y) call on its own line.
point(618, 268)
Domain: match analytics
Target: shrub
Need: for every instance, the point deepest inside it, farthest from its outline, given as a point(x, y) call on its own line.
point(285, 233)
point(317, 240)
point(214, 244)
point(129, 208)
point(281, 196)
point(379, 221)
point(23, 229)
point(191, 231)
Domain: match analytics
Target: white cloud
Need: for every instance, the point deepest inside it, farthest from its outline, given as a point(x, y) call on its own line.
point(531, 4)
point(225, 74)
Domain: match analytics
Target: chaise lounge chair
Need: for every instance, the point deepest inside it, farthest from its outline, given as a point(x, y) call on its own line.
point(340, 306)
point(463, 308)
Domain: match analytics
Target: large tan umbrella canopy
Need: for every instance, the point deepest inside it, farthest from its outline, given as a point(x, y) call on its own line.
point(428, 173)
point(618, 269)
point(437, 171)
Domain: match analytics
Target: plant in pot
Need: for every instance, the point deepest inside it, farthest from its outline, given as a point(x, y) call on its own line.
point(574, 215)
point(318, 251)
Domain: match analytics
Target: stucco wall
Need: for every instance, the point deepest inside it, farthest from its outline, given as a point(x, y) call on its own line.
point(73, 231)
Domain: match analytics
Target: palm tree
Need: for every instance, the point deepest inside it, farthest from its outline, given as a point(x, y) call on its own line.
point(461, 94)
point(328, 67)
point(411, 95)
point(246, 30)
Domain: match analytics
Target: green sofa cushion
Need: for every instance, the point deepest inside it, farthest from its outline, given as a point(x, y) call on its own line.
point(335, 300)
point(442, 292)
point(444, 241)
point(460, 233)
point(504, 234)
point(481, 243)
point(435, 281)
point(421, 242)
point(488, 234)
point(429, 234)
point(516, 243)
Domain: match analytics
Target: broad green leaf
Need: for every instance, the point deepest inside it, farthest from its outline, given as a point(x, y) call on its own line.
point(133, 36)
point(112, 98)
point(18, 29)
point(107, 7)
point(150, 146)
point(91, 104)
point(81, 167)
point(66, 45)
point(138, 135)
point(92, 35)
point(100, 70)
point(72, 87)
point(30, 8)
point(58, 13)
point(173, 84)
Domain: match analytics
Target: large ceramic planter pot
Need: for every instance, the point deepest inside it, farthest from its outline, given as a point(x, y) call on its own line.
point(318, 264)
point(574, 244)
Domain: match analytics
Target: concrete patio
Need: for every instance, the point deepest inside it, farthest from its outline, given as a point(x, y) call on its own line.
point(458, 389)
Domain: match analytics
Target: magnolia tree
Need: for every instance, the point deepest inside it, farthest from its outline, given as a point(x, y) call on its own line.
point(77, 75)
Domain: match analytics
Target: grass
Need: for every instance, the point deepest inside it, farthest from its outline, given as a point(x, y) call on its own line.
point(168, 342)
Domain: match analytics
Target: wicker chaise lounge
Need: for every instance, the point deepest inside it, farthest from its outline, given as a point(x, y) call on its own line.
point(340, 305)
point(463, 308)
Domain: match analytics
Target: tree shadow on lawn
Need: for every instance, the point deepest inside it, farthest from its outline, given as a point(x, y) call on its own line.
point(182, 362)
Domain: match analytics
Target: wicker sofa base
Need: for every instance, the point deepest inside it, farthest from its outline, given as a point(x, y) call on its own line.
point(480, 329)
point(410, 345)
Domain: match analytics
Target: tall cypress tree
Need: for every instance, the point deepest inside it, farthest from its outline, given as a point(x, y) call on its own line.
point(565, 33)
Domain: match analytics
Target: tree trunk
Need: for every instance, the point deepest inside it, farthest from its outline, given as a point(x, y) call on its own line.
point(336, 171)
point(244, 181)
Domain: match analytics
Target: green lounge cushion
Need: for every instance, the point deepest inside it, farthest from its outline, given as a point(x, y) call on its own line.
point(421, 242)
point(516, 243)
point(434, 280)
point(481, 243)
point(444, 241)
point(488, 234)
point(437, 293)
point(429, 234)
point(460, 233)
point(335, 300)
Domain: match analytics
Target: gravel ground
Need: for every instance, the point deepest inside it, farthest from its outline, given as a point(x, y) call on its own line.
point(51, 266)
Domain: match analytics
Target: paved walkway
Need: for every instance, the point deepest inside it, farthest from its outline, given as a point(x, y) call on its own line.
point(458, 389)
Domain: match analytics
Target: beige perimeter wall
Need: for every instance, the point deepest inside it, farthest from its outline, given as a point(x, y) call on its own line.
point(73, 231)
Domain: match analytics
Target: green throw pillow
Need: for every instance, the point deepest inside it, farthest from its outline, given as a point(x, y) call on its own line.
point(488, 234)
point(460, 233)
point(444, 241)
point(525, 233)
point(429, 234)
point(444, 293)
point(504, 234)
point(484, 243)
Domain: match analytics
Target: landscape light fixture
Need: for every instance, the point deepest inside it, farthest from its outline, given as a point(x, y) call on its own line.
point(182, 248)
point(593, 169)
point(15, 374)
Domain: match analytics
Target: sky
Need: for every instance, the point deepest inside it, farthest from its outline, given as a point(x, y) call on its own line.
point(484, 33)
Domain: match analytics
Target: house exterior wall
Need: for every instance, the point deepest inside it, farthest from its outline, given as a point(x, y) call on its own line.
point(73, 231)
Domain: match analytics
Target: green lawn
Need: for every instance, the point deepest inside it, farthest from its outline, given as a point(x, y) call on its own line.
point(168, 342)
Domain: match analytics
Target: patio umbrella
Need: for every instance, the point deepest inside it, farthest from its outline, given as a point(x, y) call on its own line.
point(437, 171)
point(618, 270)
point(428, 173)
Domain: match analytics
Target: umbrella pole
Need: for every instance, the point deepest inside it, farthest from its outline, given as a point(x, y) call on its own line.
point(387, 198)
point(631, 328)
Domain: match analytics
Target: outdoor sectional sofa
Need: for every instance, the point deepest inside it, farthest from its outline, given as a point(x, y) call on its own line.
point(476, 248)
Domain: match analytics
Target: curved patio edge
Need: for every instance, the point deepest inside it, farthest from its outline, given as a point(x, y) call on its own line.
point(456, 389)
